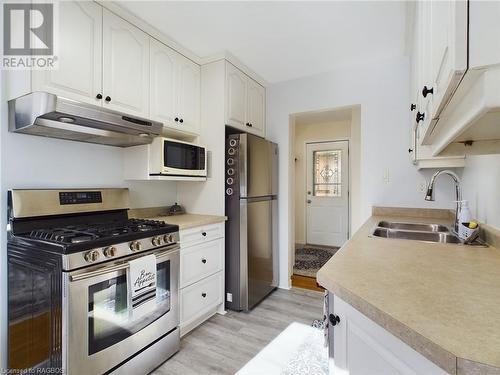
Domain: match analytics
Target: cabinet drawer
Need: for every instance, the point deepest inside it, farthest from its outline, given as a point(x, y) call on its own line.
point(200, 261)
point(199, 297)
point(201, 234)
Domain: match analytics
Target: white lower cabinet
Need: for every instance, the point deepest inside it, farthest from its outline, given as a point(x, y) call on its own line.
point(360, 346)
point(200, 261)
point(201, 275)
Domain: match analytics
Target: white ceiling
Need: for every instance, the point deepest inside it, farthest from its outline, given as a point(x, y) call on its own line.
point(282, 40)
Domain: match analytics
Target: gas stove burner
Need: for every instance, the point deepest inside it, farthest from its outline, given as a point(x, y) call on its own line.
point(91, 235)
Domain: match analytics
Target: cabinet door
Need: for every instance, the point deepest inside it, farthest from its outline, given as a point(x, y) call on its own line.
point(79, 54)
point(446, 43)
point(236, 97)
point(125, 66)
point(256, 106)
point(360, 346)
point(188, 94)
point(163, 68)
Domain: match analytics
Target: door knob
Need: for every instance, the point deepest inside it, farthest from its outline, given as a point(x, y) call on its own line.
point(98, 96)
point(420, 117)
point(334, 319)
point(426, 91)
point(413, 107)
point(308, 193)
point(108, 98)
point(308, 201)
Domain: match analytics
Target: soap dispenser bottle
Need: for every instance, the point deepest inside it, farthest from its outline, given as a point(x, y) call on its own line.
point(464, 216)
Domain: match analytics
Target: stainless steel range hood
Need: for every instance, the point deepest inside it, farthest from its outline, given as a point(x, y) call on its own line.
point(48, 115)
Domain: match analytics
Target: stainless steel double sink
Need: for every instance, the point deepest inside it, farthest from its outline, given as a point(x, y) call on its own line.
point(418, 232)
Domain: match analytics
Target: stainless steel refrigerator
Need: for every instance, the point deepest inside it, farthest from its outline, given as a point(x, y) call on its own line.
point(252, 225)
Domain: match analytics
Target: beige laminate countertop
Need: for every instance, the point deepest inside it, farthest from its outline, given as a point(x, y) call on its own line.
point(186, 221)
point(443, 300)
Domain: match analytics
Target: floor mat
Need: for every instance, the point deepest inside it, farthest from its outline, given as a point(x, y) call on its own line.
point(309, 259)
point(298, 350)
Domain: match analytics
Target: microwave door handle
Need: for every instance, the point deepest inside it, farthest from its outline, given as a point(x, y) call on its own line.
point(101, 271)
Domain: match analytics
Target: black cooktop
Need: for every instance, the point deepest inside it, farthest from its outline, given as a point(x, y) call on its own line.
point(79, 237)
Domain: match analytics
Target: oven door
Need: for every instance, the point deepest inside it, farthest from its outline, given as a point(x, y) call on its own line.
point(184, 159)
point(101, 334)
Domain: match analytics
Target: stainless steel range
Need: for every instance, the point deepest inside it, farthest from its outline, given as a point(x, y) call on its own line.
point(69, 306)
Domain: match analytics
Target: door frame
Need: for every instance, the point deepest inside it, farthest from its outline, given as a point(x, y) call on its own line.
point(348, 183)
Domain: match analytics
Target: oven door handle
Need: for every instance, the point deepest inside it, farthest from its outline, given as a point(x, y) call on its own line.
point(116, 267)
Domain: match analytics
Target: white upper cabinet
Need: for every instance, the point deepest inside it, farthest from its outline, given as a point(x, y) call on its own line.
point(125, 66)
point(236, 99)
point(448, 51)
point(455, 47)
point(442, 29)
point(174, 89)
point(256, 105)
point(79, 74)
point(162, 83)
point(245, 102)
point(188, 94)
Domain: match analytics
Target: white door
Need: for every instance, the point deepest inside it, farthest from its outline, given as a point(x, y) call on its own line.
point(236, 97)
point(162, 83)
point(125, 66)
point(188, 94)
point(79, 74)
point(256, 106)
point(327, 193)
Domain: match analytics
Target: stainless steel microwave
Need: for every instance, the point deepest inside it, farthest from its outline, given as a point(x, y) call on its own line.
point(171, 157)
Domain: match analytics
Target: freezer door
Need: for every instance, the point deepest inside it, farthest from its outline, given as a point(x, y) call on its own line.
point(259, 244)
point(256, 166)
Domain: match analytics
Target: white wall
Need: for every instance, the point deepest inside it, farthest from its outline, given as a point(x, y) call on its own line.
point(304, 133)
point(382, 90)
point(481, 183)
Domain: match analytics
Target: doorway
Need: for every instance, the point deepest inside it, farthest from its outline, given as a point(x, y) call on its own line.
point(325, 151)
point(327, 186)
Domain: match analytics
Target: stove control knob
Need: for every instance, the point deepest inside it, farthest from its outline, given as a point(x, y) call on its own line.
point(91, 256)
point(109, 252)
point(168, 238)
point(156, 241)
point(135, 246)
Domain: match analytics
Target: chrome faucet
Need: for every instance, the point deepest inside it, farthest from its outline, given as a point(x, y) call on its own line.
point(430, 192)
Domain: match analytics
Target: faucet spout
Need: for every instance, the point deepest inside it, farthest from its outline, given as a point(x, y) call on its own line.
point(429, 196)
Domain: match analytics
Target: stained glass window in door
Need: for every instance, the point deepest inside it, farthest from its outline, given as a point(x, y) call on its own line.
point(327, 173)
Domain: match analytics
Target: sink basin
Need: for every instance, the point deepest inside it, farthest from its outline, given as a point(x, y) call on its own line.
point(413, 226)
point(430, 236)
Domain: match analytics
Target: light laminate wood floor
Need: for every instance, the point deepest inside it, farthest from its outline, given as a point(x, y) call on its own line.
point(223, 344)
